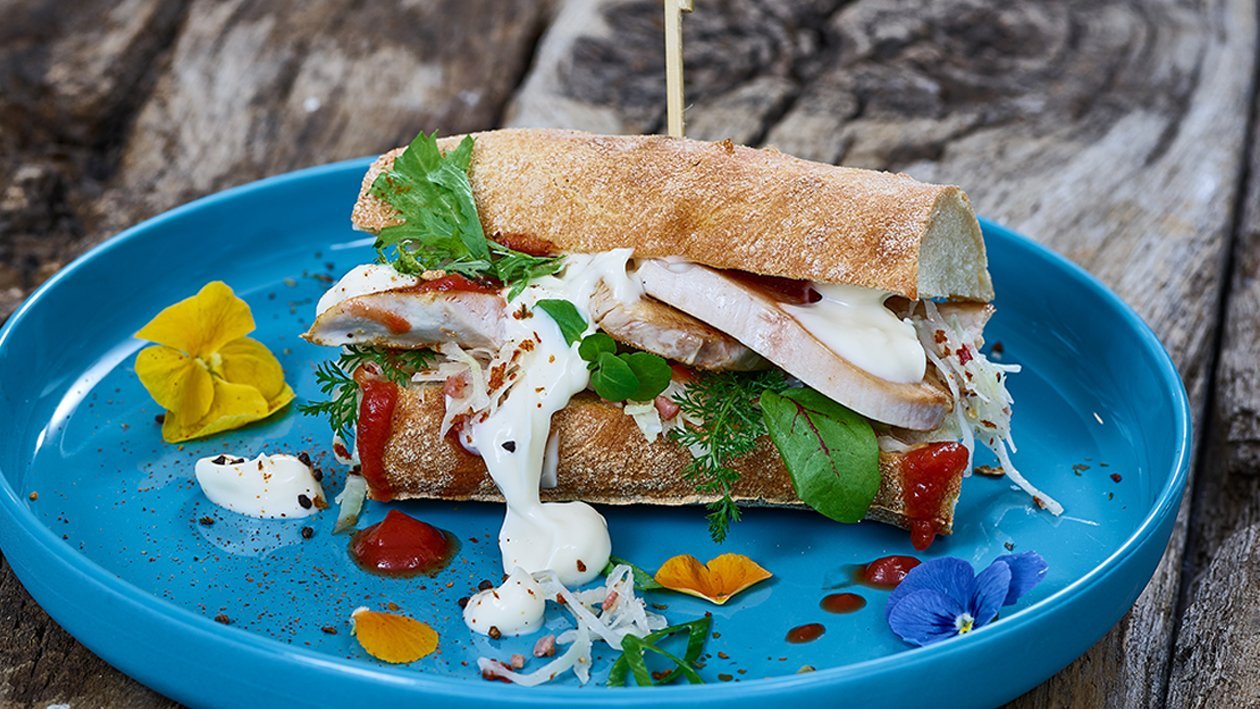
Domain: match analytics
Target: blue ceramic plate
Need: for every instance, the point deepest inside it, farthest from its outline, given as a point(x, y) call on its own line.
point(113, 549)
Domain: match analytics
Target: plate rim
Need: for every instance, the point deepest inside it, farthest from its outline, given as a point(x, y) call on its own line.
point(249, 644)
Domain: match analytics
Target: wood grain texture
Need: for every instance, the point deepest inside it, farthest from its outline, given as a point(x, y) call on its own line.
point(1115, 132)
point(1219, 638)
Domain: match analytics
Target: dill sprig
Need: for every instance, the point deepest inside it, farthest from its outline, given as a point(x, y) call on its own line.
point(336, 381)
point(726, 403)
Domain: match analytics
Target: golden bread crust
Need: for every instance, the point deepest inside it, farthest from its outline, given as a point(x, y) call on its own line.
point(721, 205)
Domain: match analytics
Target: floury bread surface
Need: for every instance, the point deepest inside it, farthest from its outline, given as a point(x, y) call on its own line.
point(721, 205)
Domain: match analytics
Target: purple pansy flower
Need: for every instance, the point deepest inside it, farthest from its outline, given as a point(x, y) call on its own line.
point(945, 597)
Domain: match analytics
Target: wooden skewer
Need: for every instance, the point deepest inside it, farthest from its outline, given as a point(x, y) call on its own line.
point(674, 64)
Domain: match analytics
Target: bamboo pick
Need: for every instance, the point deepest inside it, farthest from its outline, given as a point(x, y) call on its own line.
point(674, 64)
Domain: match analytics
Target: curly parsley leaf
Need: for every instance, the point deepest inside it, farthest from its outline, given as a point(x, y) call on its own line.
point(567, 317)
point(440, 229)
point(829, 450)
point(726, 403)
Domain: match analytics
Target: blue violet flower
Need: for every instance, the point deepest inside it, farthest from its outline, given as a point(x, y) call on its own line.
point(945, 597)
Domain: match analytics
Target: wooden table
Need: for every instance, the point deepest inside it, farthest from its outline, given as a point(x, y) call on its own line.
point(1119, 133)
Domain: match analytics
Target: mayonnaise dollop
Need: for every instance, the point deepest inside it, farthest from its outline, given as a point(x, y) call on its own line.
point(853, 322)
point(268, 487)
point(569, 538)
point(514, 608)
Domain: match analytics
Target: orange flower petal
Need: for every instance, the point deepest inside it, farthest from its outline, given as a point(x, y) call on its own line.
point(391, 637)
point(716, 581)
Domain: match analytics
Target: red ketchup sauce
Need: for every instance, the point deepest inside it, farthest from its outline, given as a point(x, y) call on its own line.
point(527, 244)
point(453, 282)
point(376, 423)
point(886, 572)
point(401, 545)
point(805, 633)
point(926, 474)
point(842, 603)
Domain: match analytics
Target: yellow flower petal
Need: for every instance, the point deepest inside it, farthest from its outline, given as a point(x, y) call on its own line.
point(391, 637)
point(248, 361)
point(716, 581)
point(200, 325)
point(175, 381)
point(233, 406)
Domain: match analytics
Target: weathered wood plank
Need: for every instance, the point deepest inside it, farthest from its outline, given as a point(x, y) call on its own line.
point(1219, 638)
point(1111, 131)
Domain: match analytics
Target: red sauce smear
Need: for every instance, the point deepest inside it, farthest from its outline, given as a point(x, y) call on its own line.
point(783, 290)
point(842, 603)
point(376, 423)
point(926, 475)
point(526, 244)
point(393, 322)
point(401, 545)
point(887, 571)
point(453, 282)
point(805, 633)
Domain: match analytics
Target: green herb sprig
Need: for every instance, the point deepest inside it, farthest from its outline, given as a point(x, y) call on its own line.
point(628, 376)
point(633, 660)
point(336, 381)
point(441, 229)
point(727, 405)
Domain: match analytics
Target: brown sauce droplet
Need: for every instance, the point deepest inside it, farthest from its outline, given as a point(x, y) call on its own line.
point(805, 633)
point(842, 603)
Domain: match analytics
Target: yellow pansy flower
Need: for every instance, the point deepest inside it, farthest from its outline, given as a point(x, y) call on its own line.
point(204, 371)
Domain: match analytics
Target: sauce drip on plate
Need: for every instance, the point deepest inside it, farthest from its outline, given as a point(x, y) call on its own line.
point(805, 633)
point(885, 572)
point(401, 545)
point(842, 603)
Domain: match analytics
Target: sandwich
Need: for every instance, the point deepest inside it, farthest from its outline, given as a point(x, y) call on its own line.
point(559, 318)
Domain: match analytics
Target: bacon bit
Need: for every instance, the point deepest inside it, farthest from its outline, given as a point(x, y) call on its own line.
point(939, 336)
point(609, 601)
point(987, 423)
point(666, 407)
point(992, 471)
point(1037, 501)
point(223, 619)
point(717, 581)
point(392, 638)
point(522, 313)
point(340, 449)
point(455, 385)
point(1115, 477)
point(496, 376)
point(527, 345)
point(581, 567)
point(964, 355)
point(545, 647)
point(551, 358)
point(494, 632)
point(488, 675)
point(518, 661)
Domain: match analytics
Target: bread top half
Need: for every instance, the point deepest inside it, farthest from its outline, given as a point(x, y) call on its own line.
point(721, 205)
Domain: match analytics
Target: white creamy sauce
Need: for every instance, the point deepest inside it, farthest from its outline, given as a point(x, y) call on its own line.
point(853, 322)
point(570, 538)
point(516, 607)
point(363, 280)
point(268, 487)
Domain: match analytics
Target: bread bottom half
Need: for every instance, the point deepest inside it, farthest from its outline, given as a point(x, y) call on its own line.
point(605, 459)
